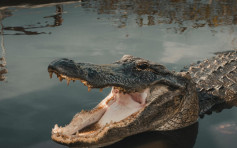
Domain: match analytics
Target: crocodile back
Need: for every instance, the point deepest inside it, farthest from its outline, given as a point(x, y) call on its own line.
point(216, 80)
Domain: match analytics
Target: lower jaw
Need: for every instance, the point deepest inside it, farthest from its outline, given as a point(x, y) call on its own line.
point(89, 137)
point(110, 111)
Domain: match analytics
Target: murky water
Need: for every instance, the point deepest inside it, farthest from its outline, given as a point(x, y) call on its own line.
point(174, 33)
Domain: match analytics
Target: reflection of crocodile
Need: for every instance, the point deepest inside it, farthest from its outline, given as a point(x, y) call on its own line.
point(145, 96)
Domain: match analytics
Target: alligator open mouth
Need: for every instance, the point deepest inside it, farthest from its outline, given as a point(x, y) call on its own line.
point(118, 109)
point(144, 96)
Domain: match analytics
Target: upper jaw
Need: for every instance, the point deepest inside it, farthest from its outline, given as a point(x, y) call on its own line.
point(98, 76)
point(127, 77)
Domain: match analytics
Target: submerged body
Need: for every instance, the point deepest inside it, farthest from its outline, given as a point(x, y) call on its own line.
point(145, 96)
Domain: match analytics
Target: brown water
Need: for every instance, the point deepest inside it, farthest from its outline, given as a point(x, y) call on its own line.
point(171, 32)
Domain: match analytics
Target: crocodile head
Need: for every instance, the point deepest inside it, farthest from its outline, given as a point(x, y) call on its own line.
point(144, 96)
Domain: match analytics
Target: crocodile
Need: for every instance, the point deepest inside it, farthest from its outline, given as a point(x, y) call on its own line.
point(145, 96)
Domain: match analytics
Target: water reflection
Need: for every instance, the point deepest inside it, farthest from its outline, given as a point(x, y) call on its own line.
point(26, 30)
point(3, 62)
point(23, 30)
point(227, 128)
point(33, 3)
point(180, 15)
point(57, 17)
point(184, 14)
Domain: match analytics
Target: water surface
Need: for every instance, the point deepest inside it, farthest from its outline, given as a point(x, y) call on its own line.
point(173, 33)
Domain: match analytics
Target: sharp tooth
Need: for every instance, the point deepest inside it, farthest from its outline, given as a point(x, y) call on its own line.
point(56, 126)
point(89, 89)
point(101, 89)
point(50, 75)
point(84, 82)
point(68, 81)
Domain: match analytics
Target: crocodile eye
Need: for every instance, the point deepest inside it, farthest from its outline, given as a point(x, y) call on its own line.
point(142, 66)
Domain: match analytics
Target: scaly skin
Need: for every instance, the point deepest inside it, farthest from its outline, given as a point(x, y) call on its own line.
point(216, 81)
point(171, 98)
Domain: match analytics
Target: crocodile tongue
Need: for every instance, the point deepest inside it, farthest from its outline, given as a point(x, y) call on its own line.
point(124, 106)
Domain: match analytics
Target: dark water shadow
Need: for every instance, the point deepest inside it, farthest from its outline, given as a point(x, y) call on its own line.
point(181, 138)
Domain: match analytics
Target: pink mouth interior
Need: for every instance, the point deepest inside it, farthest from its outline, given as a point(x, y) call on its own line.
point(114, 108)
point(123, 106)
